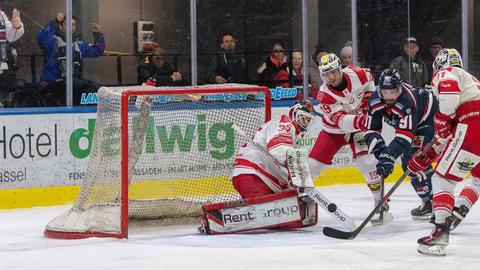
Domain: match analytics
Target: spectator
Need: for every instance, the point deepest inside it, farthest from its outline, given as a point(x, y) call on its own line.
point(313, 73)
point(436, 44)
point(297, 73)
point(156, 69)
point(227, 66)
point(52, 41)
point(10, 31)
point(346, 55)
point(297, 66)
point(410, 66)
point(274, 71)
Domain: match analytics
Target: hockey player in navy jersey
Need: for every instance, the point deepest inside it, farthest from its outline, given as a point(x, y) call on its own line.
point(410, 111)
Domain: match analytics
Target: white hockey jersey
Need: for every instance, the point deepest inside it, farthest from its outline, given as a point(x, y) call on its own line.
point(454, 86)
point(276, 137)
point(339, 108)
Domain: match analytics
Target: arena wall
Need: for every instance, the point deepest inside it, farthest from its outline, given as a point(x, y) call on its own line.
point(44, 153)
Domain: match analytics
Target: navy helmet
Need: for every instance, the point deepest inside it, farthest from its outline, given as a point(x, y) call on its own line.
point(390, 79)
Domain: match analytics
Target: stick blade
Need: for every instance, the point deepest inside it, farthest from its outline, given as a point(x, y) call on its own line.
point(335, 233)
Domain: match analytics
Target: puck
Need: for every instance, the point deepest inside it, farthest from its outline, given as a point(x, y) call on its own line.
point(332, 207)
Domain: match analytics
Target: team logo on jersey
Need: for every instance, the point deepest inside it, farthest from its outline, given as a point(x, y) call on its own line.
point(362, 142)
point(375, 102)
point(390, 121)
point(418, 141)
point(351, 100)
point(360, 93)
point(466, 165)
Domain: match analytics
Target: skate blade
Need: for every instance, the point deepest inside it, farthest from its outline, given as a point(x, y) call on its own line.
point(376, 223)
point(435, 250)
point(453, 227)
point(426, 217)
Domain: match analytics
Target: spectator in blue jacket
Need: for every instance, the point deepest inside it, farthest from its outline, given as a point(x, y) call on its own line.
point(52, 41)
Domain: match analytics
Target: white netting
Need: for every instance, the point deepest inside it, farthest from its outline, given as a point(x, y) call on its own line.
point(181, 152)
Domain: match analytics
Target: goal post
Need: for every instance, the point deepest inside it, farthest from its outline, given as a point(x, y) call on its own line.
point(160, 153)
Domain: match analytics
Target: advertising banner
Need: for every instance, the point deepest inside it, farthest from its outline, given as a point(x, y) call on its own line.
point(46, 150)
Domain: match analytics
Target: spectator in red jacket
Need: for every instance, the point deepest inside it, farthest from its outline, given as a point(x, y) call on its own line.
point(274, 71)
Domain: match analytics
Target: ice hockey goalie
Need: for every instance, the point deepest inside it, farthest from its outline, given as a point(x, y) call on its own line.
point(261, 177)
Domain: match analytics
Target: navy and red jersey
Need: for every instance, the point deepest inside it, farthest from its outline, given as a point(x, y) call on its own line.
point(414, 109)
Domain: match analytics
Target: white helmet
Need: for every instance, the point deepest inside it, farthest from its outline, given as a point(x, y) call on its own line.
point(328, 63)
point(302, 113)
point(447, 58)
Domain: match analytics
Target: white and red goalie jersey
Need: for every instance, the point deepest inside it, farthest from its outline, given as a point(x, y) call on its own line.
point(276, 137)
point(454, 87)
point(340, 107)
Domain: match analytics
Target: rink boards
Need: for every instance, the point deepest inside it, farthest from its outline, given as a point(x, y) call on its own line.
point(43, 161)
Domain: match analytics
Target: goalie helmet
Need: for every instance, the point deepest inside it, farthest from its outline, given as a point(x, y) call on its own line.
point(447, 58)
point(328, 63)
point(302, 113)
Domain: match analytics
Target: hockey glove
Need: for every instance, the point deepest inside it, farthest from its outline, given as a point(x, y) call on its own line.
point(443, 125)
point(360, 122)
point(419, 163)
point(364, 103)
point(379, 147)
point(385, 164)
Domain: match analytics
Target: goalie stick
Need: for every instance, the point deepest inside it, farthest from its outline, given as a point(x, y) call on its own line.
point(335, 233)
point(311, 192)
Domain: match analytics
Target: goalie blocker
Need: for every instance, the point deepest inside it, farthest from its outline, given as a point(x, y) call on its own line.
point(280, 210)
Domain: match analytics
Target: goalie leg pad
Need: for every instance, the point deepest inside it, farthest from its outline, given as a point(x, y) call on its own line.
point(281, 210)
point(250, 185)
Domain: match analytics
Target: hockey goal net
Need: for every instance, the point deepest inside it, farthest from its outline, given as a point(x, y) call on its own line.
point(160, 153)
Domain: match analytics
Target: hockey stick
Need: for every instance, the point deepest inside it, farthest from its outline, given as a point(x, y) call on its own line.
point(311, 192)
point(250, 140)
point(382, 183)
point(335, 233)
point(382, 209)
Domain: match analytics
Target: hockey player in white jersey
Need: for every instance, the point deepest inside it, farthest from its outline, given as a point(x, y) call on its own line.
point(458, 123)
point(268, 198)
point(254, 173)
point(343, 99)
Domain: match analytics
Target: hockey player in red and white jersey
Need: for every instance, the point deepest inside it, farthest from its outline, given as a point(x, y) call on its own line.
point(263, 183)
point(254, 173)
point(343, 99)
point(457, 124)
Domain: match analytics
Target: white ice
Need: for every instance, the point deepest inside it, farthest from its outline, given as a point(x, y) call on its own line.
point(23, 246)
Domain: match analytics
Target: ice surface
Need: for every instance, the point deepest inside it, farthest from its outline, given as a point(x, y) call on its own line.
point(23, 246)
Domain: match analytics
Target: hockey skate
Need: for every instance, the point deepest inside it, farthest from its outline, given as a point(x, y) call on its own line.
point(423, 212)
point(457, 216)
point(436, 243)
point(382, 216)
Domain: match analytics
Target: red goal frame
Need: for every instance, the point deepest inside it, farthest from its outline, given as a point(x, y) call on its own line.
point(125, 149)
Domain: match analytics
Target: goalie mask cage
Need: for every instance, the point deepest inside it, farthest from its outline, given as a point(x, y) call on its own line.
point(160, 153)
